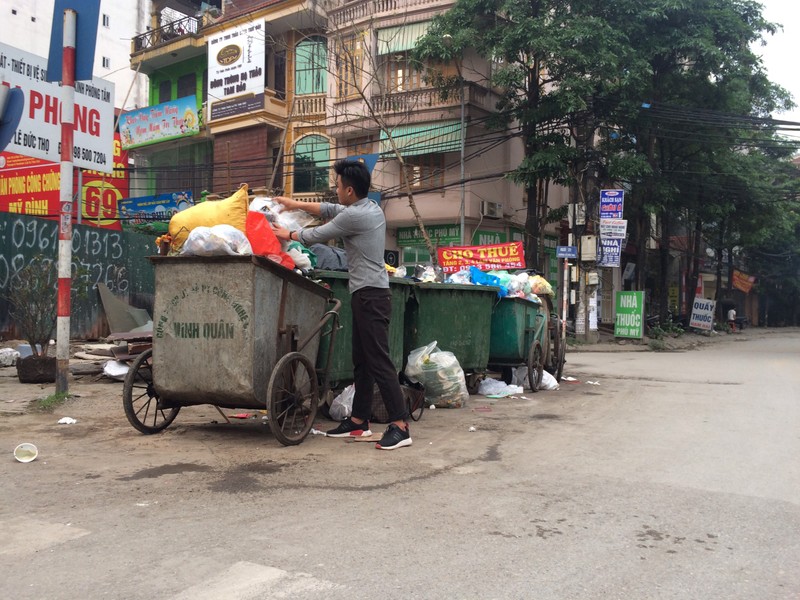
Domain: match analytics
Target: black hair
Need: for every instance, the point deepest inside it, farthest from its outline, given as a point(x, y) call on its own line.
point(354, 174)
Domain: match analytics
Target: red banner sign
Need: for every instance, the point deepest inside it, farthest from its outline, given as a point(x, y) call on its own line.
point(32, 186)
point(743, 281)
point(485, 258)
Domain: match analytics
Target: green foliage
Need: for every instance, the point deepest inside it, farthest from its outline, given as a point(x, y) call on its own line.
point(32, 300)
point(657, 345)
point(51, 402)
point(32, 297)
point(664, 97)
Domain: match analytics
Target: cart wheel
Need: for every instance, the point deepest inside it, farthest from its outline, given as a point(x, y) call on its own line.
point(292, 398)
point(140, 400)
point(535, 365)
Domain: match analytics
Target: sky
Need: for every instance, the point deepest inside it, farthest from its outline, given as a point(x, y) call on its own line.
point(781, 55)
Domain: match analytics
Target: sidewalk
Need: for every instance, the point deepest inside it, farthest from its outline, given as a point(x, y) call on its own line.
point(687, 341)
point(16, 397)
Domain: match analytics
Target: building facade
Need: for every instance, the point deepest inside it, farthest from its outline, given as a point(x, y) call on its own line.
point(284, 88)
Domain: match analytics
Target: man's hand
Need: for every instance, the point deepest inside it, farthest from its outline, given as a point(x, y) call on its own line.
point(288, 203)
point(312, 208)
point(280, 232)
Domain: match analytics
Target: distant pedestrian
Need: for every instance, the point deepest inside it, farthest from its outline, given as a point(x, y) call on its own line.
point(732, 319)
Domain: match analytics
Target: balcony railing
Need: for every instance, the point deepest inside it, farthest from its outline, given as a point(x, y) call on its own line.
point(416, 100)
point(355, 12)
point(167, 33)
point(309, 106)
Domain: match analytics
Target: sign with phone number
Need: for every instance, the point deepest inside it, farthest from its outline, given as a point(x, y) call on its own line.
point(39, 132)
point(30, 186)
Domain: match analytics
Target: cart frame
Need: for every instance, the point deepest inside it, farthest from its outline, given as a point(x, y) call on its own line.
point(278, 348)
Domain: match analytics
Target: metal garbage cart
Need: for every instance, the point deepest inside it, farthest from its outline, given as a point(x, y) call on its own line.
point(341, 368)
point(527, 333)
point(233, 332)
point(458, 317)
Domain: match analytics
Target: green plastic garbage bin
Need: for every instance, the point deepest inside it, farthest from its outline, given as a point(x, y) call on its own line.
point(516, 323)
point(341, 369)
point(457, 316)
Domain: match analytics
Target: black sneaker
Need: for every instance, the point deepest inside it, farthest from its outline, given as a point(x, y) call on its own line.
point(394, 438)
point(349, 429)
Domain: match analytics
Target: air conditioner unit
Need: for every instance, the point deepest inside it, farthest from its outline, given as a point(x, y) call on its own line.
point(491, 210)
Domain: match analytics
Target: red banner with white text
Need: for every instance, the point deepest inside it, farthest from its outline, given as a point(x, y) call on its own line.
point(486, 258)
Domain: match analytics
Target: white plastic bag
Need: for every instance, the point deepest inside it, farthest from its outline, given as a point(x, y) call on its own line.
point(495, 387)
point(219, 240)
point(416, 358)
point(342, 405)
point(8, 357)
point(301, 260)
point(548, 382)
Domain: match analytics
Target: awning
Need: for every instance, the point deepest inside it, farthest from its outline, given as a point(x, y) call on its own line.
point(399, 39)
point(426, 138)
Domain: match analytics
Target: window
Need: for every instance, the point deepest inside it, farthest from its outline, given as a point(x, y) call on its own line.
point(414, 256)
point(311, 58)
point(187, 85)
point(425, 171)
point(360, 145)
point(350, 64)
point(13, 11)
point(280, 75)
point(164, 91)
point(106, 21)
point(401, 75)
point(106, 62)
point(311, 165)
point(33, 19)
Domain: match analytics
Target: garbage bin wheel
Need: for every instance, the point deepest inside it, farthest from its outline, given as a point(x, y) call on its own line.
point(535, 365)
point(140, 399)
point(292, 398)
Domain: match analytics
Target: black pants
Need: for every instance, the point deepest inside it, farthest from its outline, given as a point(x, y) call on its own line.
point(372, 309)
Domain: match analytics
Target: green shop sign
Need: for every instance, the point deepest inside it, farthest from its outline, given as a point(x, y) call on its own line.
point(629, 322)
point(441, 235)
point(483, 237)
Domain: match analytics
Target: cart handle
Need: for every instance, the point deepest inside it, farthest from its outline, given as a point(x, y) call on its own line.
point(333, 313)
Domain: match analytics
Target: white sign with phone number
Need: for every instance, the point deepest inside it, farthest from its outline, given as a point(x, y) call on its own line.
point(39, 131)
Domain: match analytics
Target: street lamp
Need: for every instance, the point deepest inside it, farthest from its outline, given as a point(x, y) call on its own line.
point(448, 42)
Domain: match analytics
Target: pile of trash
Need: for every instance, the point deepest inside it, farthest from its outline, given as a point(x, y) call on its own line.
point(517, 285)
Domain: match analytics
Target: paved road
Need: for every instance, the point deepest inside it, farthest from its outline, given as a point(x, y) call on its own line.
point(676, 477)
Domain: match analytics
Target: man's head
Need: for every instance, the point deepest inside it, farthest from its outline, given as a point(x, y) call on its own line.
point(352, 180)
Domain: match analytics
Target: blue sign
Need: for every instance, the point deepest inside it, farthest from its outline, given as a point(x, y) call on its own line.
point(566, 252)
point(369, 160)
point(611, 204)
point(88, 12)
point(9, 120)
point(149, 209)
point(609, 252)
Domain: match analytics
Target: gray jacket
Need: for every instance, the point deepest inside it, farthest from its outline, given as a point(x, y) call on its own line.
point(362, 227)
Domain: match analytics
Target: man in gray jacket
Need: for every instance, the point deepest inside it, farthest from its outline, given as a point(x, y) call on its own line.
point(361, 224)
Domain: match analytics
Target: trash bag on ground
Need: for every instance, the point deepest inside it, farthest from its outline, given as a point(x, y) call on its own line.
point(548, 382)
point(219, 240)
point(342, 405)
point(497, 388)
point(444, 381)
point(416, 359)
